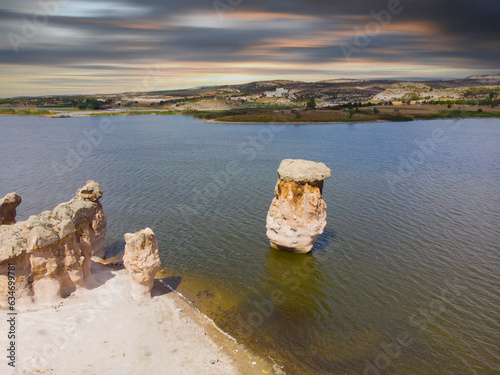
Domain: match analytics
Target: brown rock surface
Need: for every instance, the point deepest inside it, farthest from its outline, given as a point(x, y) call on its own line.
point(8, 206)
point(297, 215)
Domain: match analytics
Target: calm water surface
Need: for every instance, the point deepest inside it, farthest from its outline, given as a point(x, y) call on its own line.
point(405, 279)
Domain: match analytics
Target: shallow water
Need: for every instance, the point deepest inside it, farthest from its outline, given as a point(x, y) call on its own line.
point(404, 280)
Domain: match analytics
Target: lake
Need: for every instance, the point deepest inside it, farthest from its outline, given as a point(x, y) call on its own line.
point(405, 279)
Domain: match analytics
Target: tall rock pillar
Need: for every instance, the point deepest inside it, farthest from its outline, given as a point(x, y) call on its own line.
point(297, 215)
point(142, 261)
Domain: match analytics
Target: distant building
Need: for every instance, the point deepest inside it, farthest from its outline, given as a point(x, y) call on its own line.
point(279, 93)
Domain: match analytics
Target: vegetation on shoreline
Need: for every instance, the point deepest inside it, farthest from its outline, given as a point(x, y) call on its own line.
point(305, 116)
point(347, 114)
point(24, 112)
point(456, 114)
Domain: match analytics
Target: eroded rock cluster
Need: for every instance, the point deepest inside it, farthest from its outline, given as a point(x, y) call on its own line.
point(297, 215)
point(52, 251)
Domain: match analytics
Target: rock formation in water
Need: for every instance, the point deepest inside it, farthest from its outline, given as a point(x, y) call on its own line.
point(8, 206)
point(52, 252)
point(297, 215)
point(142, 261)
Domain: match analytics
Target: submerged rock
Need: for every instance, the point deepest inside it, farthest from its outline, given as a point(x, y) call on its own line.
point(142, 261)
point(51, 253)
point(297, 215)
point(8, 206)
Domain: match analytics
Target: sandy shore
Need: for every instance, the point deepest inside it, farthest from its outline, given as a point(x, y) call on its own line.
point(104, 331)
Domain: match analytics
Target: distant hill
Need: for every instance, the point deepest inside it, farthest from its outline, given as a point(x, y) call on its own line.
point(348, 89)
point(328, 91)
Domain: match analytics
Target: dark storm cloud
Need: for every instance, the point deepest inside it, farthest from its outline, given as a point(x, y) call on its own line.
point(178, 44)
point(455, 16)
point(471, 24)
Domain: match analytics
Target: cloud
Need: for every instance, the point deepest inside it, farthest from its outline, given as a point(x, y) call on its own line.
point(306, 35)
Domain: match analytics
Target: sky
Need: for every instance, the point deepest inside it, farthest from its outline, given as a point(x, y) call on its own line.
point(56, 47)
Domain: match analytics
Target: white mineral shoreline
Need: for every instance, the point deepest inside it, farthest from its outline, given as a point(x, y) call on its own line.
point(103, 331)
